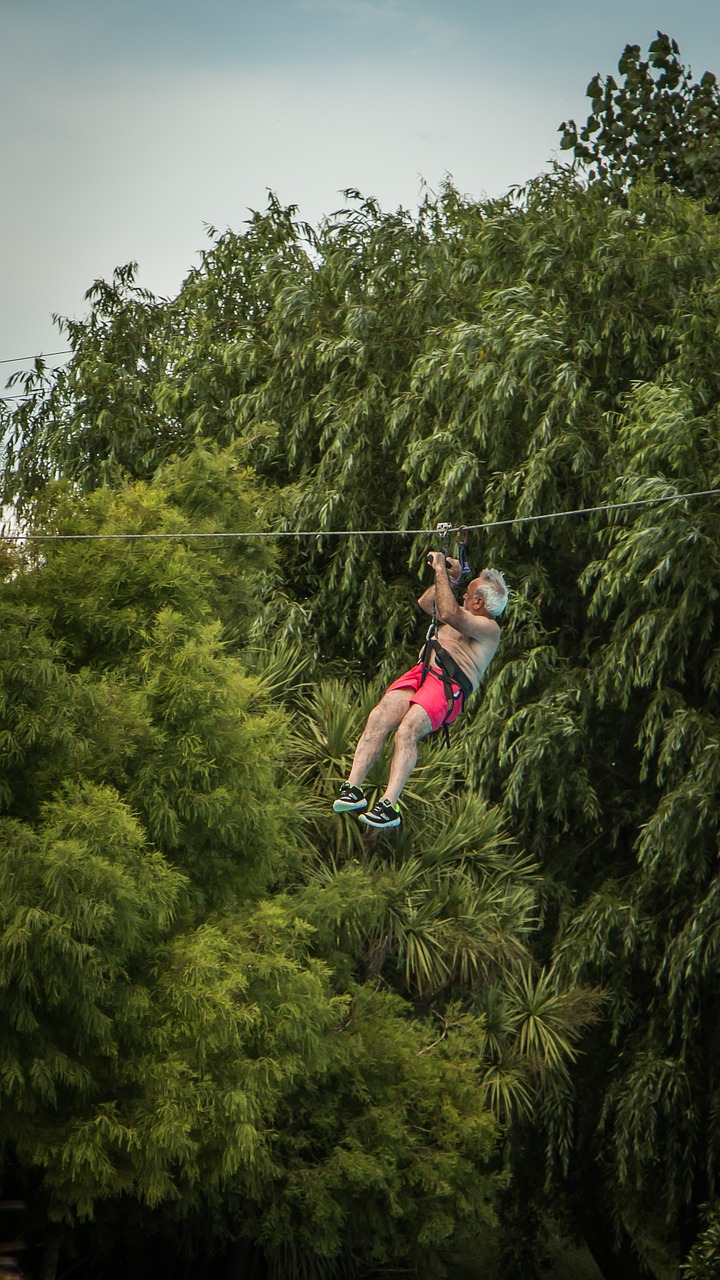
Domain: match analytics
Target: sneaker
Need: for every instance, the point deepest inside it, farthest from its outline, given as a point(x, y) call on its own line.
point(382, 815)
point(350, 799)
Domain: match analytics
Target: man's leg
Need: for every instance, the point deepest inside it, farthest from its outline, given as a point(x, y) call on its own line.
point(414, 726)
point(383, 718)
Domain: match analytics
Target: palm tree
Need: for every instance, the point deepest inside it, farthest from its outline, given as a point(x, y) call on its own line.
point(442, 911)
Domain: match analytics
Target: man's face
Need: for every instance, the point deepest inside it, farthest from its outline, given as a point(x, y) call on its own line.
point(470, 601)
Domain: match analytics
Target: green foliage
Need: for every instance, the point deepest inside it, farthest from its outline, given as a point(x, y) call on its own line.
point(146, 1041)
point(179, 1032)
point(551, 351)
point(117, 665)
point(704, 1259)
point(374, 1149)
point(443, 911)
point(493, 340)
point(657, 121)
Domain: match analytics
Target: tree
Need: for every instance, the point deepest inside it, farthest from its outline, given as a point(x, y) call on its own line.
point(657, 122)
point(494, 363)
point(704, 1256)
point(178, 1040)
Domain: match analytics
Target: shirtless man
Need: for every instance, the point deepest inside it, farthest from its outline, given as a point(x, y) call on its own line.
point(470, 635)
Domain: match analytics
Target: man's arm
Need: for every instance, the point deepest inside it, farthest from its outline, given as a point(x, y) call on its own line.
point(427, 599)
point(451, 613)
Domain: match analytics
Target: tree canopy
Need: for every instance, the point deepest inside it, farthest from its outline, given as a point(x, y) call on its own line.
point(658, 121)
point(217, 1005)
point(536, 955)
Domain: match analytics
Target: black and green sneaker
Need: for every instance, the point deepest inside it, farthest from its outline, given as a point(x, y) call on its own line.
point(350, 800)
point(382, 814)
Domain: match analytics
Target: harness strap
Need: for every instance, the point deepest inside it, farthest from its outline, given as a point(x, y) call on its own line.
point(449, 672)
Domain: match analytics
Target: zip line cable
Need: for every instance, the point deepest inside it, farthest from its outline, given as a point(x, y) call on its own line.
point(348, 533)
point(586, 511)
point(41, 355)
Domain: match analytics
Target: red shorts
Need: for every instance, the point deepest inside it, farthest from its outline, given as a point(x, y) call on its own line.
point(431, 695)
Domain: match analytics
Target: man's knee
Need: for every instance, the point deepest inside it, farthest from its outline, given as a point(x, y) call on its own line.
point(373, 724)
point(414, 725)
point(389, 712)
point(382, 718)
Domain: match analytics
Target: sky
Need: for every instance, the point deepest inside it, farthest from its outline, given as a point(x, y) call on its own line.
point(130, 126)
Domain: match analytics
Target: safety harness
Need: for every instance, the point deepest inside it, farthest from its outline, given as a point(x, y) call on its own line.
point(449, 671)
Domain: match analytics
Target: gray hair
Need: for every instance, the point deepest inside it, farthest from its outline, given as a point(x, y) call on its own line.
point(493, 591)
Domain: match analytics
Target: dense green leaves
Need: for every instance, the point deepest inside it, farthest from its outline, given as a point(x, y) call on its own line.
point(493, 363)
point(176, 1012)
point(658, 121)
point(705, 1254)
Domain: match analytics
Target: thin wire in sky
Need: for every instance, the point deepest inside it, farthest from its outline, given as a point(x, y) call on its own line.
point(351, 533)
point(42, 355)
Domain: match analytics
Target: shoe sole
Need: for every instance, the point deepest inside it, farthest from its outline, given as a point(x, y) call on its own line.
point(344, 806)
point(379, 826)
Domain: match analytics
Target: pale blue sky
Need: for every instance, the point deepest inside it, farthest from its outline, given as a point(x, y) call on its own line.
point(128, 124)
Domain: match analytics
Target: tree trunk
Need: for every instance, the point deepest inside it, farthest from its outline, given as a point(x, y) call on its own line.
point(615, 1261)
point(51, 1256)
point(241, 1261)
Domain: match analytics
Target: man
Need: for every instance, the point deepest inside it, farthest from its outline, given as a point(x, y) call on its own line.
point(415, 707)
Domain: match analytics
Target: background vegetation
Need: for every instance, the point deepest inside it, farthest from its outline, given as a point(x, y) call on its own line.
point(234, 1032)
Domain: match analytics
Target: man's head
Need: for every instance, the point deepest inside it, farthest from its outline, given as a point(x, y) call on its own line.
point(487, 594)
